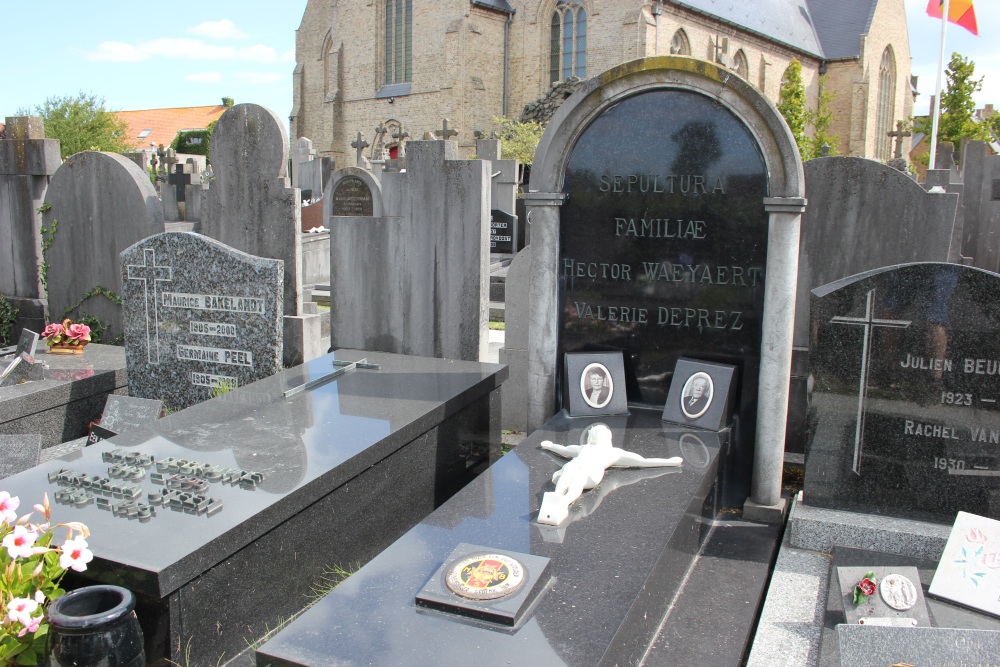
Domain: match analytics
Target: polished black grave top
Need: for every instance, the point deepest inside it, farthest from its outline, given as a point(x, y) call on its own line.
point(602, 559)
point(276, 456)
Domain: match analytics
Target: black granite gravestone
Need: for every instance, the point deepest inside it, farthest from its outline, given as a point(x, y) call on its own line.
point(663, 244)
point(906, 366)
point(222, 517)
point(352, 197)
point(503, 229)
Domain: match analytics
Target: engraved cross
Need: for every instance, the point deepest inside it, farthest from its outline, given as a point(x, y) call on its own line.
point(867, 322)
point(150, 274)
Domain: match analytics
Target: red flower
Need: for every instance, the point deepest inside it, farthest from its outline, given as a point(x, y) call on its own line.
point(867, 586)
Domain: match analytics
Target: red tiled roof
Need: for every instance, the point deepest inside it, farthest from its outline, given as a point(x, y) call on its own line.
point(164, 124)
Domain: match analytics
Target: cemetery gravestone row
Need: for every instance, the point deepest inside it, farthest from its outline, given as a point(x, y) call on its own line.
point(200, 318)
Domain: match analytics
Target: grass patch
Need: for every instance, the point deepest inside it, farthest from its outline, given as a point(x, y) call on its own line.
point(498, 326)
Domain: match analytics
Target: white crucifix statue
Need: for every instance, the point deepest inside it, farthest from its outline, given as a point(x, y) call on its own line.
point(151, 275)
point(585, 470)
point(868, 322)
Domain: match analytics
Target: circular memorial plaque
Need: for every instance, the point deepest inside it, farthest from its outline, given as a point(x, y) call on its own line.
point(898, 592)
point(485, 576)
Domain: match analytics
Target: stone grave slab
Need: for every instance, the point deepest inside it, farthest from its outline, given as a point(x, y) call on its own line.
point(200, 317)
point(870, 646)
point(70, 395)
point(620, 557)
point(967, 571)
point(19, 453)
point(231, 494)
point(906, 361)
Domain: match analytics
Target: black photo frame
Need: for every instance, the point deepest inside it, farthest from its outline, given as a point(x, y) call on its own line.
point(595, 384)
point(702, 394)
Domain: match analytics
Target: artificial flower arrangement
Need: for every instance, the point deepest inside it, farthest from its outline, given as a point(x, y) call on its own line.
point(30, 572)
point(67, 337)
point(864, 588)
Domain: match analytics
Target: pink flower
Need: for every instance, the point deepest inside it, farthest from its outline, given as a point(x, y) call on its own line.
point(8, 507)
point(78, 332)
point(53, 329)
point(20, 609)
point(19, 542)
point(990, 560)
point(75, 555)
point(975, 536)
point(30, 624)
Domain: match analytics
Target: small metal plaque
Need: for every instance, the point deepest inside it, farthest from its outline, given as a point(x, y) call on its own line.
point(486, 576)
point(995, 194)
point(898, 592)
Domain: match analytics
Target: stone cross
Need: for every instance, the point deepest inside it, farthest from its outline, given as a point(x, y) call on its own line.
point(150, 274)
point(898, 134)
point(445, 132)
point(171, 159)
point(179, 178)
point(359, 144)
point(868, 322)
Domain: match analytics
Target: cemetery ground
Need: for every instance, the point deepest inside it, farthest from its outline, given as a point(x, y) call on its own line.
point(764, 452)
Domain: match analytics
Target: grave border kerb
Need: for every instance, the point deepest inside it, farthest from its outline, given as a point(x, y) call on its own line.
point(373, 185)
point(784, 205)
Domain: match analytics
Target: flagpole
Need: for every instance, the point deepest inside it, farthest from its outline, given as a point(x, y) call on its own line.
point(937, 94)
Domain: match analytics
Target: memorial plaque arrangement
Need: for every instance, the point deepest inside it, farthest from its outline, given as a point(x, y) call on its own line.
point(200, 318)
point(883, 596)
point(352, 197)
point(702, 395)
point(663, 241)
point(969, 570)
point(503, 229)
point(486, 584)
point(906, 364)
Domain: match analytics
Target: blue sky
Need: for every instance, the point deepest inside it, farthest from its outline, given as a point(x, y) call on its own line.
point(140, 55)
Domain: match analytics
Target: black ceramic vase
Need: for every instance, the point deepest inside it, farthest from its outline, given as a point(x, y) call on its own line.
point(94, 626)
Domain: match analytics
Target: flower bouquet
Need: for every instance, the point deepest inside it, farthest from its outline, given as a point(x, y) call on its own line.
point(66, 338)
point(30, 572)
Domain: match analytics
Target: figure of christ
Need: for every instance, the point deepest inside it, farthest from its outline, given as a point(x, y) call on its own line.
point(585, 470)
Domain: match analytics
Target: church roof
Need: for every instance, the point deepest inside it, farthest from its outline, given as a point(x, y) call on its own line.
point(496, 5)
point(785, 21)
point(841, 24)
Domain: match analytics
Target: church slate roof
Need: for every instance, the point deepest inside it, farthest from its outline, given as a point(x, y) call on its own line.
point(841, 24)
point(496, 5)
point(785, 21)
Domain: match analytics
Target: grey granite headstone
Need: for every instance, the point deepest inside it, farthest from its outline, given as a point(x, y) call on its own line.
point(906, 397)
point(872, 646)
point(198, 316)
point(122, 413)
point(19, 453)
point(99, 204)
point(251, 206)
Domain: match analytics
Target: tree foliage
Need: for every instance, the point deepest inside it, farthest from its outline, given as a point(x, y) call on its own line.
point(958, 108)
point(519, 139)
point(792, 101)
point(820, 120)
point(82, 123)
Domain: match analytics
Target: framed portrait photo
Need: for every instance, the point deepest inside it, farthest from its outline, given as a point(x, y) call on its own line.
point(702, 394)
point(595, 384)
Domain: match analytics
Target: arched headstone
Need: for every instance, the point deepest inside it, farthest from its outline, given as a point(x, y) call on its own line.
point(97, 205)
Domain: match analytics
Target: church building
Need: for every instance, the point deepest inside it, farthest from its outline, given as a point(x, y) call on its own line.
point(404, 65)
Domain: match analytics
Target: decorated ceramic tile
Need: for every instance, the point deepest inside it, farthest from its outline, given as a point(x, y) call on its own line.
point(969, 570)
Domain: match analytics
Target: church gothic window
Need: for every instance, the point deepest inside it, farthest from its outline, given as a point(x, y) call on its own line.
point(740, 65)
point(886, 105)
point(398, 41)
point(568, 48)
point(679, 45)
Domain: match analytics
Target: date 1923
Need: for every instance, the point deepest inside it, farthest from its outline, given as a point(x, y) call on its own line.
point(955, 398)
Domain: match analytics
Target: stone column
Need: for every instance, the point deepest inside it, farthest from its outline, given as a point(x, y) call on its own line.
point(785, 220)
point(542, 210)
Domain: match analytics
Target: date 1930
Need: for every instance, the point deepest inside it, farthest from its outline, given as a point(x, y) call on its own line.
point(942, 463)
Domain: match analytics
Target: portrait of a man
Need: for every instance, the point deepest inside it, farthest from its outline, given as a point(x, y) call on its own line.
point(696, 396)
point(596, 385)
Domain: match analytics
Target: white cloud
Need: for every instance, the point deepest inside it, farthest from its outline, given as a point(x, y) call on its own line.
point(119, 52)
point(184, 49)
point(205, 77)
point(223, 29)
point(259, 78)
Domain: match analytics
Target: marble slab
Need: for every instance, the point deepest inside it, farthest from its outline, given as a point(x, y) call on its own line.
point(969, 570)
